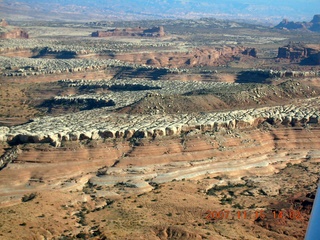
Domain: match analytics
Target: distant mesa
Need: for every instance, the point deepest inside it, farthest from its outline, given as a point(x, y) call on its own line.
point(131, 32)
point(314, 25)
point(316, 19)
point(286, 24)
point(298, 52)
point(9, 32)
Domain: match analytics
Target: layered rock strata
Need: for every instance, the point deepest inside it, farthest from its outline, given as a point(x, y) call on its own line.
point(100, 124)
point(115, 168)
point(300, 52)
point(194, 57)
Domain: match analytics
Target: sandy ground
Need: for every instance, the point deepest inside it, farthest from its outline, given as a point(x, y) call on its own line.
point(66, 206)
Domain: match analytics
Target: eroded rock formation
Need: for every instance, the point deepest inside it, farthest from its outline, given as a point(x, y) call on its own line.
point(8, 32)
point(298, 52)
point(131, 32)
point(250, 52)
point(203, 56)
point(99, 124)
point(8, 157)
point(286, 24)
point(314, 25)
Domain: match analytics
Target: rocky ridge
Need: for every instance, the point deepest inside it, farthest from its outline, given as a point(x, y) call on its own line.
point(170, 59)
point(131, 32)
point(100, 124)
point(29, 66)
point(90, 46)
point(270, 73)
point(203, 56)
point(126, 94)
point(313, 25)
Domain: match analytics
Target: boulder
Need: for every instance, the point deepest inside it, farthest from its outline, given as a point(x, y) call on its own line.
point(120, 134)
point(107, 134)
point(150, 132)
point(232, 124)
point(170, 131)
point(245, 122)
point(129, 133)
point(54, 140)
point(159, 132)
point(141, 133)
point(95, 135)
point(313, 119)
point(287, 120)
point(205, 127)
point(85, 135)
point(74, 136)
point(3, 133)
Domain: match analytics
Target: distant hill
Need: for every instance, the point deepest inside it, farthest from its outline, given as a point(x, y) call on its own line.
point(314, 25)
point(84, 10)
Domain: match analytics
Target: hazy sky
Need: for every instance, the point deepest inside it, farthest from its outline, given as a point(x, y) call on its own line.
point(270, 10)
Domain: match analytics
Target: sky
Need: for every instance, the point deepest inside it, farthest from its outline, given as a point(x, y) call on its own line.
point(272, 10)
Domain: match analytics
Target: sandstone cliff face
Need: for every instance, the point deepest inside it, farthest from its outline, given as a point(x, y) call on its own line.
point(9, 32)
point(16, 33)
point(300, 53)
point(195, 57)
point(131, 32)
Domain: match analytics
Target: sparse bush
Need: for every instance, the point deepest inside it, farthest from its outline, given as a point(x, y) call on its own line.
point(27, 198)
point(252, 206)
point(237, 205)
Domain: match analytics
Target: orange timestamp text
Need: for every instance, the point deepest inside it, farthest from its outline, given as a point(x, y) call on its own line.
point(257, 214)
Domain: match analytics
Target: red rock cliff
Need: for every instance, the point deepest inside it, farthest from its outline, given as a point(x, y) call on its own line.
point(298, 52)
point(8, 32)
